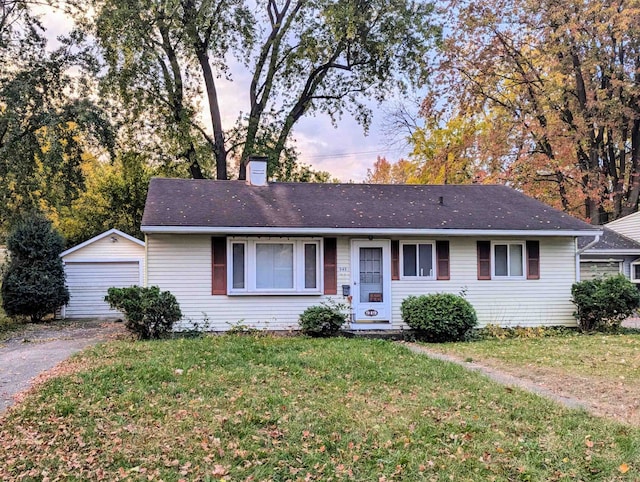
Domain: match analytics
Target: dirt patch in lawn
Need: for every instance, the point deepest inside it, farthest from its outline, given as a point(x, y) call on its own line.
point(607, 397)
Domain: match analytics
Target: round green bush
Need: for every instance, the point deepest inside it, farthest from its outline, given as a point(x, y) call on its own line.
point(322, 320)
point(149, 313)
point(439, 317)
point(602, 303)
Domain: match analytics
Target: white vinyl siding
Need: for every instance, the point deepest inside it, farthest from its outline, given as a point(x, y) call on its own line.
point(628, 226)
point(546, 301)
point(182, 265)
point(106, 248)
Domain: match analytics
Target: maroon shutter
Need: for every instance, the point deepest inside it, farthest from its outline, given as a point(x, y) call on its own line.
point(484, 259)
point(442, 260)
point(533, 259)
point(218, 266)
point(330, 266)
point(395, 259)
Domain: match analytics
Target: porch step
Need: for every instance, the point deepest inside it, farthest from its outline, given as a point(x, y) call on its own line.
point(393, 335)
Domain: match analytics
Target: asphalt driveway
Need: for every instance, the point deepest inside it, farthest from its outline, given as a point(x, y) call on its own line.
point(39, 348)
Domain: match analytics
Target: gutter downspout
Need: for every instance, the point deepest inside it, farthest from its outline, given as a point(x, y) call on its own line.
point(582, 250)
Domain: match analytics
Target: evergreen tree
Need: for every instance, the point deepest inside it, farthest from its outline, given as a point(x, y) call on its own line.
point(33, 283)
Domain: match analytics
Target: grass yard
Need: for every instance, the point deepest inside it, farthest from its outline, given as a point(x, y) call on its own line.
point(603, 369)
point(597, 355)
point(245, 408)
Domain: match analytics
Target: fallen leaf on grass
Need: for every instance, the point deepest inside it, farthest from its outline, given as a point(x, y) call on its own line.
point(220, 470)
point(624, 468)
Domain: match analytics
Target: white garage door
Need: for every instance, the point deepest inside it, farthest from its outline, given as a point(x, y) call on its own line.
point(592, 269)
point(88, 284)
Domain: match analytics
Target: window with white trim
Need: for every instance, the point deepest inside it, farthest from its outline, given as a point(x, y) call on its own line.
point(508, 260)
point(417, 259)
point(635, 271)
point(274, 266)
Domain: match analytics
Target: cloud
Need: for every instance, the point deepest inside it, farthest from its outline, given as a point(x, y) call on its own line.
point(342, 150)
point(55, 22)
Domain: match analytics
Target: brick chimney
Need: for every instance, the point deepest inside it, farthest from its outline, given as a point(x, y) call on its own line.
point(256, 170)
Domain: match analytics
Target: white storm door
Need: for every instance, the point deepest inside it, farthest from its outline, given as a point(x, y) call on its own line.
point(371, 268)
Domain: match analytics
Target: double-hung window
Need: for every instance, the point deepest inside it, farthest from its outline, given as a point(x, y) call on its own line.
point(274, 266)
point(508, 260)
point(417, 259)
point(635, 271)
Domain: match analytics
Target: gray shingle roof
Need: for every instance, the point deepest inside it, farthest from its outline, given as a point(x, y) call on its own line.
point(214, 204)
point(610, 240)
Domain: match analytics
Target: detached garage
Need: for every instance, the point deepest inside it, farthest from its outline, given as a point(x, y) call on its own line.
point(112, 258)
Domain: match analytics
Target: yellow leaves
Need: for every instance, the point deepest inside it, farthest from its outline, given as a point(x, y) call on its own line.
point(384, 172)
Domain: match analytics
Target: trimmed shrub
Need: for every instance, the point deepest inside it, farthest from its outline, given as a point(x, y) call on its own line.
point(602, 303)
point(325, 319)
point(149, 313)
point(33, 283)
point(439, 317)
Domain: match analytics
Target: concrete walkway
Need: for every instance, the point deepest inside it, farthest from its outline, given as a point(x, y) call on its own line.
point(502, 378)
point(32, 352)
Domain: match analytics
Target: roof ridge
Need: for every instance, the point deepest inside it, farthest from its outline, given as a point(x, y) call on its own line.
point(298, 183)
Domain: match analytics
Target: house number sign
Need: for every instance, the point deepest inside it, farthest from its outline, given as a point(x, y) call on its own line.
point(371, 312)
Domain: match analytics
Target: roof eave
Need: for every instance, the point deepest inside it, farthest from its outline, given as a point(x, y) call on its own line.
point(99, 237)
point(613, 251)
point(230, 230)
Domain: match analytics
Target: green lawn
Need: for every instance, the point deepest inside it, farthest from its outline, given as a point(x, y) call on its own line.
point(246, 408)
point(597, 355)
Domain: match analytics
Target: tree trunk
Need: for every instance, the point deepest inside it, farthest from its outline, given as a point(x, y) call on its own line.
point(214, 108)
point(260, 90)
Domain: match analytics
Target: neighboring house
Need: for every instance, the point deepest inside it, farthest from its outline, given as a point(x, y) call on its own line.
point(628, 226)
point(260, 254)
point(112, 258)
point(614, 253)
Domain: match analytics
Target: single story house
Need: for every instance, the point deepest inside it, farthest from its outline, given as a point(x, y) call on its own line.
point(112, 258)
point(613, 254)
point(260, 253)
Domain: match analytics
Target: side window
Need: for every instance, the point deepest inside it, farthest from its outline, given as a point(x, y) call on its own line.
point(417, 259)
point(508, 259)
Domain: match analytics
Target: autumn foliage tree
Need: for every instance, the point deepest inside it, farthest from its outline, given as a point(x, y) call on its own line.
point(385, 172)
point(557, 89)
point(114, 197)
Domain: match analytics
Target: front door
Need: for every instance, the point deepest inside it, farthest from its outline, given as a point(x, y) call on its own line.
point(371, 268)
